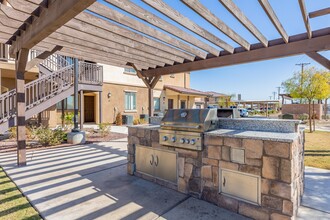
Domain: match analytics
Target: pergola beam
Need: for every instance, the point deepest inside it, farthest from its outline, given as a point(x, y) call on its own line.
point(276, 49)
point(318, 13)
point(240, 16)
point(176, 16)
point(320, 59)
point(39, 58)
point(125, 33)
point(305, 17)
point(200, 9)
point(125, 20)
point(57, 14)
point(152, 19)
point(274, 19)
point(115, 55)
point(97, 35)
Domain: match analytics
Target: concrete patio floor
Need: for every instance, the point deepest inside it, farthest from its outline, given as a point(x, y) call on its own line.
point(90, 182)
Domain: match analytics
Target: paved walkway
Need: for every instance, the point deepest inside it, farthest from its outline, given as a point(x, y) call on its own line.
point(90, 182)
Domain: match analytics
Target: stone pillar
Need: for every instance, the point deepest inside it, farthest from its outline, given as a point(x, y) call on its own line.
point(21, 61)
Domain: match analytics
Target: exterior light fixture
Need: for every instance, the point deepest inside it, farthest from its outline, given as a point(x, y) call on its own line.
point(109, 95)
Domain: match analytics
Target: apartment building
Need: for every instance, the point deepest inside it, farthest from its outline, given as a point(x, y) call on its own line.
point(121, 91)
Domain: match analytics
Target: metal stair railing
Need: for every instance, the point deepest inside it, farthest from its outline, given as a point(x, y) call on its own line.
point(37, 92)
point(48, 86)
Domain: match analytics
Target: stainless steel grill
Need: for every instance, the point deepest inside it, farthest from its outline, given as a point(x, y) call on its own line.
point(184, 128)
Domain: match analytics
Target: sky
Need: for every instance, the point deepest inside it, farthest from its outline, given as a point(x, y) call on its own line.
point(256, 80)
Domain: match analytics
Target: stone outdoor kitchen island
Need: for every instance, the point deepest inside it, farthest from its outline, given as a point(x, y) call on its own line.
point(249, 166)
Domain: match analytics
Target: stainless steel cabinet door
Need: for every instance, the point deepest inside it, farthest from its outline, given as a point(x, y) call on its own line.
point(144, 160)
point(165, 165)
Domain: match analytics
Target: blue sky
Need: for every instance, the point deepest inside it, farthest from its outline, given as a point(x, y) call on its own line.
point(254, 80)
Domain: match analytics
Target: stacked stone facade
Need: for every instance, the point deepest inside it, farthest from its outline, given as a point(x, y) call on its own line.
point(278, 163)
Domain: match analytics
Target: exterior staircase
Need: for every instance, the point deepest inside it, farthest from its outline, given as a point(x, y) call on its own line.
point(55, 83)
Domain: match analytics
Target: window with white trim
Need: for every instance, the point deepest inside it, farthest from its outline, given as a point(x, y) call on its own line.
point(130, 100)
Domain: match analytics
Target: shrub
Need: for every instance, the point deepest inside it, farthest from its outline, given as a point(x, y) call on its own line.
point(104, 128)
point(303, 117)
point(119, 119)
point(68, 120)
point(139, 121)
point(136, 121)
point(46, 136)
point(12, 133)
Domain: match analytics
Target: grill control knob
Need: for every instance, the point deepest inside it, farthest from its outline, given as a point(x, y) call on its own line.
point(193, 141)
point(173, 139)
point(187, 141)
point(182, 140)
point(165, 138)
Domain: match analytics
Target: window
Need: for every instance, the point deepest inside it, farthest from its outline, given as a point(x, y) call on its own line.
point(157, 104)
point(130, 101)
point(183, 104)
point(130, 71)
point(68, 104)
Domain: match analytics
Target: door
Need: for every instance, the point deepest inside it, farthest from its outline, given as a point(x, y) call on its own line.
point(170, 103)
point(145, 160)
point(165, 165)
point(89, 108)
point(183, 104)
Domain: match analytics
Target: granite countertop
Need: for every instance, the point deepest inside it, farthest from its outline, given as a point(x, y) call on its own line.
point(261, 135)
point(145, 126)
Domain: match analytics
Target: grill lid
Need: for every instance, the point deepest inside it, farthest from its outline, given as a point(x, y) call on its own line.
point(198, 120)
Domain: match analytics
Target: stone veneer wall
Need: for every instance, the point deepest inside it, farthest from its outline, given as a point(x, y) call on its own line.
point(280, 165)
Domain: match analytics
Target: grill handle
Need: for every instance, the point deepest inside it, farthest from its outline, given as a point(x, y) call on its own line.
point(183, 126)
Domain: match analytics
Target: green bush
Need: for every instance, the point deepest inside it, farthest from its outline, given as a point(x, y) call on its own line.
point(104, 128)
point(46, 136)
point(303, 117)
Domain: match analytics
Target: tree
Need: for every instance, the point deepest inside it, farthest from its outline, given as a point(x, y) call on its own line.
point(225, 101)
point(311, 84)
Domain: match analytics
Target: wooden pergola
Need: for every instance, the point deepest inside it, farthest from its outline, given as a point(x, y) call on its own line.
point(91, 30)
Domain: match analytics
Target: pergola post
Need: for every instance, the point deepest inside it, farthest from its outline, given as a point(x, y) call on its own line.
point(75, 95)
point(81, 109)
point(21, 61)
point(150, 102)
point(100, 107)
point(150, 82)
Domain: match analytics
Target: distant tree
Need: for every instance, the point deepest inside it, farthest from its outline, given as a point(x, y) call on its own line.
point(226, 101)
point(311, 84)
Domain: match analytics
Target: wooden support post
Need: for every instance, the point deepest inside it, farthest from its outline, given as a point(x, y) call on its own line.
point(150, 82)
point(75, 95)
point(81, 109)
point(150, 102)
point(100, 107)
point(267, 110)
point(62, 105)
point(21, 61)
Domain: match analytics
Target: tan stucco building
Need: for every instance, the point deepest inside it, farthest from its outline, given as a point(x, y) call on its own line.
point(122, 91)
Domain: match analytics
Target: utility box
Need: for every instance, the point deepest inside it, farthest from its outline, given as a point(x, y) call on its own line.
point(127, 119)
point(145, 117)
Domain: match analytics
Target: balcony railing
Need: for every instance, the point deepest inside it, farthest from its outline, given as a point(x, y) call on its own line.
point(90, 73)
